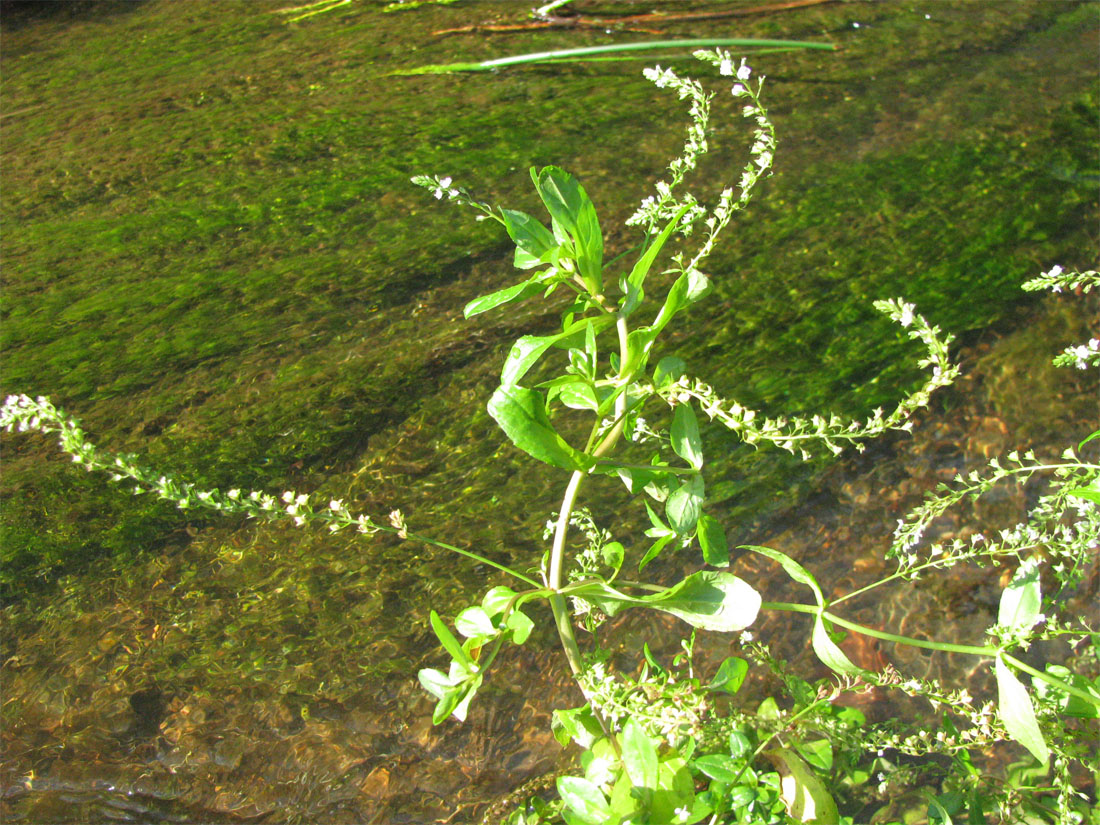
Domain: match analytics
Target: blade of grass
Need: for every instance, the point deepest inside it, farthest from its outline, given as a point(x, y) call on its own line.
point(560, 55)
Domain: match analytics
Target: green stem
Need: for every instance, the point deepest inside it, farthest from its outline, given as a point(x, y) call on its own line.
point(941, 646)
point(1052, 680)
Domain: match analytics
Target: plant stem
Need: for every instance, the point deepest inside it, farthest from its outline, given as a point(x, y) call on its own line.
point(944, 647)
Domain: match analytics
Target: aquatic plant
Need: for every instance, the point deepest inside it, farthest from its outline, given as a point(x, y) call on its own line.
point(666, 745)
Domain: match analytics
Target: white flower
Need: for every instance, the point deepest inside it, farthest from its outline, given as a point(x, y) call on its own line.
point(726, 67)
point(336, 504)
point(743, 71)
point(738, 90)
point(442, 188)
point(906, 317)
point(1053, 272)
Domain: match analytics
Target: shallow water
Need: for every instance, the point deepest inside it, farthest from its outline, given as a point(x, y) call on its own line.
point(213, 257)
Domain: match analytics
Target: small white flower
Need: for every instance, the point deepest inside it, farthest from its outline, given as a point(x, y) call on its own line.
point(743, 71)
point(336, 504)
point(439, 191)
point(906, 315)
point(738, 90)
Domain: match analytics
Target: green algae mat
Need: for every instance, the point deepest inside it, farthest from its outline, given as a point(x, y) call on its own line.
point(213, 256)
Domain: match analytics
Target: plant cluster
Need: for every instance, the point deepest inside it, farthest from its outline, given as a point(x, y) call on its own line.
point(667, 745)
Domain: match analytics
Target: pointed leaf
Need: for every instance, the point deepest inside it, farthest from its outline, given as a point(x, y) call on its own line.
point(684, 505)
point(685, 436)
point(707, 600)
point(521, 413)
point(806, 797)
point(639, 755)
point(1022, 599)
point(655, 549)
point(795, 570)
point(712, 540)
point(584, 799)
point(532, 239)
point(1017, 712)
point(633, 285)
point(508, 295)
point(730, 676)
point(570, 207)
point(473, 622)
point(450, 643)
point(527, 350)
point(828, 651)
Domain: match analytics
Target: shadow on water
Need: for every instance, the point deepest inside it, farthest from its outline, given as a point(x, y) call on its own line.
point(18, 14)
point(213, 257)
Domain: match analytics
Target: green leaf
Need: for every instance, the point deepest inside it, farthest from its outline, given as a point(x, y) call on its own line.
point(570, 207)
point(1086, 493)
point(708, 600)
point(633, 285)
point(668, 371)
point(473, 622)
point(533, 240)
point(795, 570)
point(1022, 599)
point(806, 797)
point(684, 505)
point(730, 676)
point(740, 745)
point(463, 706)
point(1017, 712)
point(521, 626)
point(435, 682)
point(494, 602)
point(685, 436)
point(717, 766)
point(613, 554)
point(639, 756)
point(527, 350)
point(828, 652)
point(579, 395)
point(712, 539)
point(508, 295)
point(818, 754)
point(450, 643)
point(577, 724)
point(584, 799)
point(521, 413)
point(1067, 703)
point(655, 549)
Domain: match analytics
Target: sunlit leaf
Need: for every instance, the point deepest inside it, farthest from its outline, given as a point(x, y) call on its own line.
point(532, 239)
point(684, 505)
point(639, 755)
point(730, 676)
point(806, 797)
point(570, 207)
point(685, 436)
point(828, 651)
point(475, 622)
point(717, 766)
point(1017, 712)
point(521, 413)
point(1022, 599)
point(584, 799)
point(521, 626)
point(508, 295)
point(793, 569)
point(712, 540)
point(449, 642)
